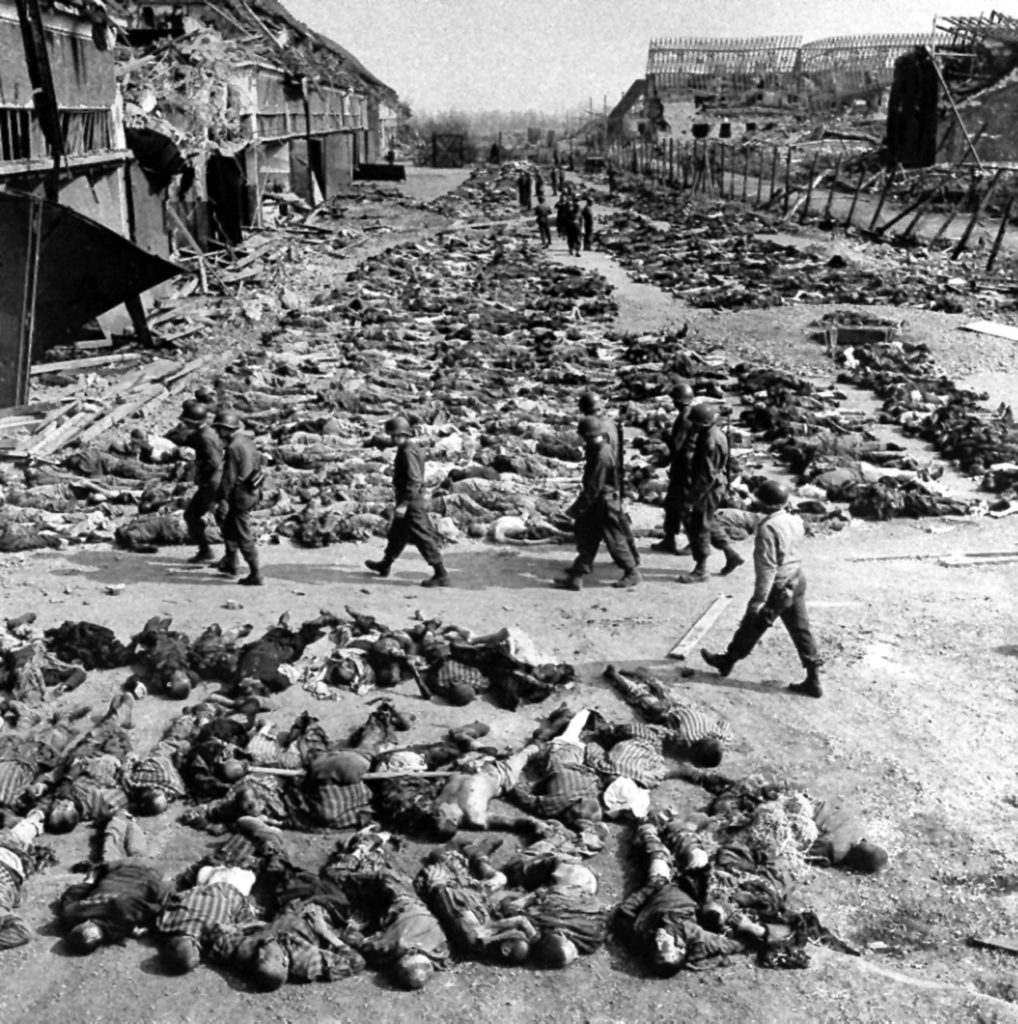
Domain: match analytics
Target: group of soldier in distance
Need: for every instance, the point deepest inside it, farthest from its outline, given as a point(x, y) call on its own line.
point(229, 479)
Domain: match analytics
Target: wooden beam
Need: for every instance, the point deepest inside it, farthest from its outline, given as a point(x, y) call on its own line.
point(699, 629)
point(84, 363)
point(151, 394)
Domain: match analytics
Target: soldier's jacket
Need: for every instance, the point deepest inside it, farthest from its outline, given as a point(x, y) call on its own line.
point(242, 470)
point(408, 474)
point(600, 480)
point(708, 467)
point(208, 456)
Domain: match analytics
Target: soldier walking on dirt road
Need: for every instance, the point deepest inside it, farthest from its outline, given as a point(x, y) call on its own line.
point(780, 592)
point(410, 519)
point(708, 484)
point(678, 470)
point(208, 463)
point(240, 489)
point(598, 512)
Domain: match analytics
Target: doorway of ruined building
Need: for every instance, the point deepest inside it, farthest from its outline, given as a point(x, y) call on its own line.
point(226, 183)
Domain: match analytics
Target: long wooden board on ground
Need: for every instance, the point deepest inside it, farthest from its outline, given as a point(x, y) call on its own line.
point(699, 629)
point(85, 363)
point(1005, 331)
point(150, 394)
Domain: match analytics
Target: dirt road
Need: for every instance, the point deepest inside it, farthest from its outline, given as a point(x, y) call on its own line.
point(917, 727)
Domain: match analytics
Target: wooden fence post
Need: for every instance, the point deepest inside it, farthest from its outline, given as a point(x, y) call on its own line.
point(883, 197)
point(774, 174)
point(980, 206)
point(1001, 231)
point(830, 195)
point(809, 187)
point(788, 181)
point(970, 194)
point(855, 196)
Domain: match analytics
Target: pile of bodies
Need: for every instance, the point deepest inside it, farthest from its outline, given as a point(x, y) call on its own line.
point(718, 255)
point(924, 402)
point(712, 883)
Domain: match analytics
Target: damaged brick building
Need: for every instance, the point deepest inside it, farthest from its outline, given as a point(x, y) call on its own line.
point(701, 88)
point(166, 126)
point(255, 102)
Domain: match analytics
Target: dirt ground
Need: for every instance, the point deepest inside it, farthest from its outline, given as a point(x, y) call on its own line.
point(917, 728)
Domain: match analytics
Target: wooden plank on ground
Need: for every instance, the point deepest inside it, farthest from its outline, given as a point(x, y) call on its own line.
point(51, 441)
point(84, 363)
point(699, 629)
point(1005, 331)
point(34, 409)
point(150, 394)
point(58, 415)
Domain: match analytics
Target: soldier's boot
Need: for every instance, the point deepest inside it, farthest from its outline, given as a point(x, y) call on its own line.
point(666, 545)
point(630, 578)
point(721, 663)
point(254, 578)
point(227, 565)
point(438, 578)
point(810, 686)
point(203, 556)
point(732, 560)
point(380, 567)
point(698, 575)
point(568, 581)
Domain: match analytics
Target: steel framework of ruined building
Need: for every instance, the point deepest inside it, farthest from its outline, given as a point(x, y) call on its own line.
point(828, 68)
point(977, 51)
point(733, 65)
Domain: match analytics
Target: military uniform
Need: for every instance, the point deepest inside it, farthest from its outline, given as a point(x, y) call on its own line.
point(208, 451)
point(598, 513)
point(679, 467)
point(707, 451)
point(414, 525)
point(240, 488)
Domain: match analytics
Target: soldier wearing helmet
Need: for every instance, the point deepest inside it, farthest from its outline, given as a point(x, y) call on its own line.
point(597, 512)
point(678, 469)
point(590, 405)
point(208, 468)
point(780, 591)
point(410, 520)
point(240, 488)
point(707, 484)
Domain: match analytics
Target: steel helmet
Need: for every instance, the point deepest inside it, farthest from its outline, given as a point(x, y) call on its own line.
point(227, 419)
point(398, 425)
point(588, 403)
point(703, 414)
point(772, 493)
point(682, 393)
point(590, 426)
point(194, 411)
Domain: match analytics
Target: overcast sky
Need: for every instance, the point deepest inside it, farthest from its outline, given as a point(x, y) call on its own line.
point(554, 55)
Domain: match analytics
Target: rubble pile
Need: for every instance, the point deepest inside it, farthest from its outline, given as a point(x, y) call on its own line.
point(230, 766)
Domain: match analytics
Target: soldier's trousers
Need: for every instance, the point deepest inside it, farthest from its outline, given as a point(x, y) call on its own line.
point(202, 502)
point(238, 534)
point(601, 524)
point(675, 511)
point(786, 601)
point(414, 527)
point(699, 524)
